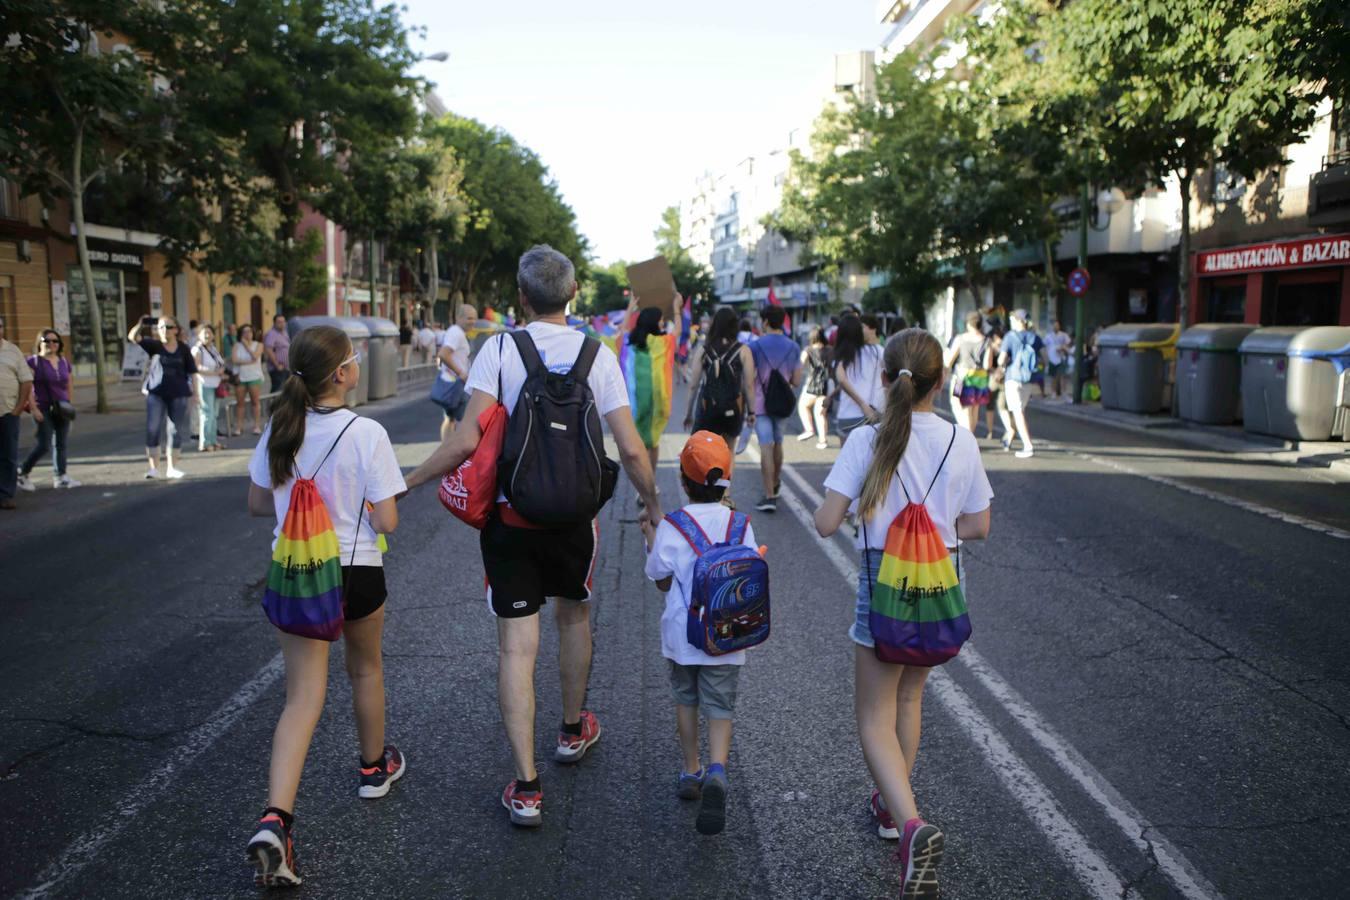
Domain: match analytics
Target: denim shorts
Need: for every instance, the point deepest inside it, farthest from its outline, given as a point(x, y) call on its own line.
point(769, 430)
point(870, 561)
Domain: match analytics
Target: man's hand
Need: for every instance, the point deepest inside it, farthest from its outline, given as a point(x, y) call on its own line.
point(648, 531)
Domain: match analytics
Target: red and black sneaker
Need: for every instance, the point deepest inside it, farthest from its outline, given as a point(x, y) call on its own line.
point(572, 747)
point(920, 854)
point(885, 821)
point(272, 852)
point(526, 807)
point(376, 780)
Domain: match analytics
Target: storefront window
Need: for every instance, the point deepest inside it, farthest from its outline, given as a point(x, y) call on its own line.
point(1227, 303)
point(1306, 304)
point(108, 290)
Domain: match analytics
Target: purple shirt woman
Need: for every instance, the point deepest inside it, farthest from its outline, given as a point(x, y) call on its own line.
point(51, 389)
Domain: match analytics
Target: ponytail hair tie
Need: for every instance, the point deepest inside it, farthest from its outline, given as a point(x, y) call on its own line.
point(902, 372)
point(297, 372)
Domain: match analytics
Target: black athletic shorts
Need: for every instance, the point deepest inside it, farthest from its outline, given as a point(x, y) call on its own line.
point(365, 591)
point(525, 566)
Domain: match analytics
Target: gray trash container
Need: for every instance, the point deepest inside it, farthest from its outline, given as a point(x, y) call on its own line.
point(1318, 360)
point(360, 336)
point(384, 357)
point(1132, 379)
point(1209, 373)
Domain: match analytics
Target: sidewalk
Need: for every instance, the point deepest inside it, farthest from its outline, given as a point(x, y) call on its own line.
point(1333, 455)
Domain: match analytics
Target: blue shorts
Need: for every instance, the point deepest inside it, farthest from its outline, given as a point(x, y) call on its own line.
point(861, 630)
point(769, 430)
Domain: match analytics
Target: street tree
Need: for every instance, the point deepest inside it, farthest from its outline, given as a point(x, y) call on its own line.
point(71, 114)
point(1179, 85)
point(692, 279)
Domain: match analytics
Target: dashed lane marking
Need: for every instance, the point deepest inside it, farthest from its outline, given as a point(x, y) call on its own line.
point(87, 847)
point(1091, 868)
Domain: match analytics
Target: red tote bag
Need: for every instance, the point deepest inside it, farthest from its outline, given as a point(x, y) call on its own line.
point(470, 492)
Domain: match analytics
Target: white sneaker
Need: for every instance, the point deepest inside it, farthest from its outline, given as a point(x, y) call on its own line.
point(822, 445)
point(1025, 453)
point(151, 474)
point(805, 436)
point(65, 481)
point(171, 472)
point(26, 484)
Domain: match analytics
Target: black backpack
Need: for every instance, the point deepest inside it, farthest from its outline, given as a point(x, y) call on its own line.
point(779, 399)
point(719, 399)
point(553, 466)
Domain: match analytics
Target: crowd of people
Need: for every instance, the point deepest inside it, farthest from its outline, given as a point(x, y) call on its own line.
point(538, 552)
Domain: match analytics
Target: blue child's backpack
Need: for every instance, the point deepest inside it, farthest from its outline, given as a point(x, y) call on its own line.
point(729, 597)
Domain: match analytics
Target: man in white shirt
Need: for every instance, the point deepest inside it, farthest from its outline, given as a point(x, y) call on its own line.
point(527, 565)
point(1058, 349)
point(453, 355)
point(16, 387)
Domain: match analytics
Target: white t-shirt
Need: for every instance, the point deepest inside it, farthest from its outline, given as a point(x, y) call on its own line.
point(672, 557)
point(865, 376)
point(558, 346)
point(362, 466)
point(458, 342)
point(249, 369)
point(426, 338)
point(210, 364)
point(962, 487)
point(1056, 345)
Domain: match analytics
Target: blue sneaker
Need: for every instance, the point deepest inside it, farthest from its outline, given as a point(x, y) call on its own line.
point(712, 814)
point(690, 786)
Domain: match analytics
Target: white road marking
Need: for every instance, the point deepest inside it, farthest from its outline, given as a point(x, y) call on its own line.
point(1073, 846)
point(1236, 502)
point(87, 847)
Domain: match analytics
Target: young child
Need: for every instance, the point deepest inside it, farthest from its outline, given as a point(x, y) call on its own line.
point(697, 679)
point(910, 453)
point(351, 461)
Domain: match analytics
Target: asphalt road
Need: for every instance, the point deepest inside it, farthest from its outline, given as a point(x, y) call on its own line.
point(1155, 702)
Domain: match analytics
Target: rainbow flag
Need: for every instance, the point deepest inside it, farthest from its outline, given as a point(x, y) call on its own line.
point(491, 316)
point(918, 613)
point(650, 377)
point(304, 584)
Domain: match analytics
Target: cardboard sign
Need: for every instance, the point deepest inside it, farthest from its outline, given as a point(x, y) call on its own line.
point(653, 283)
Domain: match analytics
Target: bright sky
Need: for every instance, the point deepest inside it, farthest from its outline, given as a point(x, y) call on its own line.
point(627, 102)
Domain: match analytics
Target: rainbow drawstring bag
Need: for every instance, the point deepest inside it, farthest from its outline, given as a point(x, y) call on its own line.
point(305, 593)
point(918, 613)
point(975, 388)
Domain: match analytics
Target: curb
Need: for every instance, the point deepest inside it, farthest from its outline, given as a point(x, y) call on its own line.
point(1177, 430)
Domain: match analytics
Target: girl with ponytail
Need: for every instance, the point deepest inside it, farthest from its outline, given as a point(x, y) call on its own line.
point(349, 458)
point(909, 452)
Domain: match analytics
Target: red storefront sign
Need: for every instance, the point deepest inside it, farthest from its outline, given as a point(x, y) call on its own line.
point(1332, 250)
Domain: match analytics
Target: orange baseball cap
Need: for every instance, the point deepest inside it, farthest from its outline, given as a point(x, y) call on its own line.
point(706, 459)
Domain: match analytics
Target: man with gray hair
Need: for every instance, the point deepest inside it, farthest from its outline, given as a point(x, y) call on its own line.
point(528, 565)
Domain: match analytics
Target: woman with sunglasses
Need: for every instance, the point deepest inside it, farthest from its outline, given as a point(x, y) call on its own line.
point(351, 462)
point(167, 389)
point(51, 388)
point(247, 359)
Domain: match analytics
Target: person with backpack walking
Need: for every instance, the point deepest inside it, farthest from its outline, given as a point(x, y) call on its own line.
point(778, 372)
point(920, 490)
point(541, 539)
point(700, 678)
point(331, 479)
point(815, 360)
point(724, 393)
point(857, 371)
point(969, 358)
point(1021, 356)
point(647, 359)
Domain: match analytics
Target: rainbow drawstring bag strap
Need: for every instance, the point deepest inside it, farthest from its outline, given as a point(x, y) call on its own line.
point(918, 615)
point(305, 593)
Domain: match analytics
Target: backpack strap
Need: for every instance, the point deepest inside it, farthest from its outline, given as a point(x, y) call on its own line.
point(950, 443)
point(529, 354)
point(736, 526)
point(690, 530)
point(334, 447)
point(581, 369)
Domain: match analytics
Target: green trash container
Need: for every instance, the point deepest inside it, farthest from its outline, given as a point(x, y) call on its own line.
point(1209, 373)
